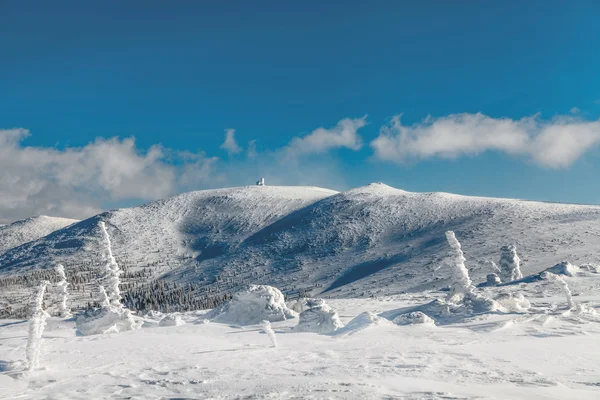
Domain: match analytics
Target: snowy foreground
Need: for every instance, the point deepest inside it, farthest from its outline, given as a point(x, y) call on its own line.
point(546, 352)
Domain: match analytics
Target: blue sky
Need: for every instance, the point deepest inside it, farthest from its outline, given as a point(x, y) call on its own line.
point(75, 76)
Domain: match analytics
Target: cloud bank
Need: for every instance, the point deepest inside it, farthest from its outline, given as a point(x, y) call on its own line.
point(557, 143)
point(79, 182)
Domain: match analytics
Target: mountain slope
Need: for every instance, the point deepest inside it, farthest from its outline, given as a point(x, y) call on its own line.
point(20, 232)
point(369, 240)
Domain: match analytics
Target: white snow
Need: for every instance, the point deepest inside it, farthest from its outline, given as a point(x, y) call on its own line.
point(20, 232)
point(542, 353)
point(372, 254)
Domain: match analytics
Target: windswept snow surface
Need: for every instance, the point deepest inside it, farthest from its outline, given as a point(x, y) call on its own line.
point(20, 232)
point(547, 352)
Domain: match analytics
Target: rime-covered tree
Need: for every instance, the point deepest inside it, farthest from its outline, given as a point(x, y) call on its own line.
point(460, 283)
point(63, 310)
point(510, 264)
point(37, 324)
point(112, 269)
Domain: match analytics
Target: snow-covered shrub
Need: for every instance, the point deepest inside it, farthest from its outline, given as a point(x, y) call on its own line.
point(111, 319)
point(362, 321)
point(112, 269)
point(302, 304)
point(594, 269)
point(37, 323)
point(251, 306)
point(171, 320)
point(493, 280)
point(460, 281)
point(266, 327)
point(318, 317)
point(563, 285)
point(510, 264)
point(563, 268)
point(414, 318)
point(63, 310)
point(513, 302)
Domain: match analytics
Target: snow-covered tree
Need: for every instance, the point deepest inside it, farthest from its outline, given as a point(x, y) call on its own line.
point(266, 327)
point(112, 269)
point(37, 324)
point(63, 310)
point(460, 281)
point(510, 264)
point(564, 287)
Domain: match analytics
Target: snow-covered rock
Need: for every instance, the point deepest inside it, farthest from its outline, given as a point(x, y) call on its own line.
point(513, 302)
point(251, 306)
point(318, 317)
point(414, 318)
point(105, 320)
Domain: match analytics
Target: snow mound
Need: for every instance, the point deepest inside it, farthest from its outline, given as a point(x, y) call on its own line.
point(414, 318)
point(513, 302)
point(252, 306)
point(171, 320)
point(563, 268)
point(318, 317)
point(363, 321)
point(106, 320)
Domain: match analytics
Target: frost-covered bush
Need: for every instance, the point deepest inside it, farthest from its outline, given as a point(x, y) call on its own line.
point(364, 320)
point(318, 317)
point(493, 280)
point(37, 323)
point(63, 310)
point(414, 318)
point(460, 282)
point(563, 285)
point(510, 264)
point(104, 320)
point(171, 320)
point(266, 327)
point(513, 302)
point(251, 306)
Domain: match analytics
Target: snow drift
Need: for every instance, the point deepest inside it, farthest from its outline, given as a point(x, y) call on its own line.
point(251, 306)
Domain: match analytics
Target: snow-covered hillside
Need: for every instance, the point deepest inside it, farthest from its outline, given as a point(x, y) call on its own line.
point(372, 240)
point(20, 232)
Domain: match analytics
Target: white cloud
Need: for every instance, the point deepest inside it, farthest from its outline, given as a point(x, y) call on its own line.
point(557, 143)
point(343, 135)
point(230, 144)
point(77, 182)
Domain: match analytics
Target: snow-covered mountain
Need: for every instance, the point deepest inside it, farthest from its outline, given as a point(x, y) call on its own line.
point(369, 240)
point(20, 232)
